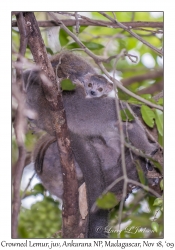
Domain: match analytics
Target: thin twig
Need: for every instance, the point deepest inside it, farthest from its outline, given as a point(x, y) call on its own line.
point(147, 76)
point(77, 22)
point(122, 140)
point(20, 128)
point(153, 88)
point(127, 91)
point(98, 60)
point(148, 189)
point(133, 16)
point(139, 197)
point(151, 31)
point(107, 189)
point(128, 29)
point(158, 96)
point(144, 127)
point(126, 125)
point(25, 190)
point(128, 181)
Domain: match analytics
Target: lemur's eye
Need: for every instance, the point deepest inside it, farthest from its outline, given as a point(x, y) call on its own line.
point(90, 85)
point(100, 89)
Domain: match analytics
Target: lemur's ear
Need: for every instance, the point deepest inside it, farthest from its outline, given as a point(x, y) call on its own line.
point(87, 77)
point(110, 85)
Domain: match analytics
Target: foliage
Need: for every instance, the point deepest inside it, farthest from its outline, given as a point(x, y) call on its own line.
point(148, 115)
point(126, 115)
point(44, 217)
point(42, 220)
point(140, 220)
point(107, 201)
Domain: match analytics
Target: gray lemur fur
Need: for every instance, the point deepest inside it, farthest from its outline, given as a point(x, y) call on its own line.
point(69, 65)
point(85, 116)
point(95, 140)
point(48, 166)
point(96, 163)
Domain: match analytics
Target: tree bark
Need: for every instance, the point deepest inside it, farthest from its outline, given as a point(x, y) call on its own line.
point(70, 212)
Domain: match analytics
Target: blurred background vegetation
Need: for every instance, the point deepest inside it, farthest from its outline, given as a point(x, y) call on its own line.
point(40, 215)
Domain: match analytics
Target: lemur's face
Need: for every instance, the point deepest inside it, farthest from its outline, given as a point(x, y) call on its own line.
point(97, 86)
point(94, 90)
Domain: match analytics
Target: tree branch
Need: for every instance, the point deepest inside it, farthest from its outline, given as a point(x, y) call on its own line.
point(28, 184)
point(20, 128)
point(70, 212)
point(156, 87)
point(122, 140)
point(158, 96)
point(128, 29)
point(120, 86)
point(91, 22)
point(138, 78)
point(98, 61)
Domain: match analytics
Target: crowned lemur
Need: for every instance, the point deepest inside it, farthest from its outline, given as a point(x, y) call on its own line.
point(95, 140)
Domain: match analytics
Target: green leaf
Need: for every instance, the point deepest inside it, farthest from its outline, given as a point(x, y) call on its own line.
point(140, 172)
point(70, 28)
point(49, 50)
point(82, 28)
point(155, 226)
point(67, 85)
point(73, 46)
point(126, 115)
point(148, 115)
point(134, 101)
point(161, 184)
point(122, 44)
point(93, 46)
point(159, 120)
point(89, 45)
point(156, 163)
point(63, 36)
point(145, 96)
point(138, 222)
point(107, 201)
point(160, 101)
point(42, 220)
point(160, 139)
point(38, 188)
point(158, 202)
point(148, 97)
point(132, 43)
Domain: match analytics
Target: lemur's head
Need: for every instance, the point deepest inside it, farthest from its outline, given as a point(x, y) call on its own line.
point(96, 85)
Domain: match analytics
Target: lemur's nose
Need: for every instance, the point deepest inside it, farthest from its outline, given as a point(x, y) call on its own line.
point(92, 92)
